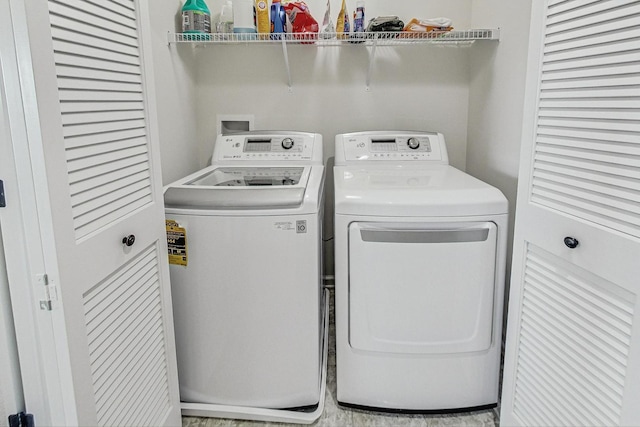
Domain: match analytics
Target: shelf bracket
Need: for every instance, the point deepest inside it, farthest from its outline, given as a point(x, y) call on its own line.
point(286, 63)
point(372, 57)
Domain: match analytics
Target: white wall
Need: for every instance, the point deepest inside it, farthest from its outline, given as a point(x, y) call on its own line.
point(496, 97)
point(413, 87)
point(175, 73)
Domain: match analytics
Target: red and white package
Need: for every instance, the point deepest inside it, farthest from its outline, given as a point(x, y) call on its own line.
point(300, 18)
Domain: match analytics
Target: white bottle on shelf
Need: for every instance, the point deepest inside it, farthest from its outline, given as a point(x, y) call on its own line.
point(225, 23)
point(244, 17)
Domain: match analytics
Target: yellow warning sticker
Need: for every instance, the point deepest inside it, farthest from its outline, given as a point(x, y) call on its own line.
point(176, 243)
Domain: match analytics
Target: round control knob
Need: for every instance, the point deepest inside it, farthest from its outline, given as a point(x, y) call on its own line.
point(287, 143)
point(129, 240)
point(413, 143)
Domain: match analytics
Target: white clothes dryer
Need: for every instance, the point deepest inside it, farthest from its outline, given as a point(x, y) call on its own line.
point(419, 276)
point(246, 283)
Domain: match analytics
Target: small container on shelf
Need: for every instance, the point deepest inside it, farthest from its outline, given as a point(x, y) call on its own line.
point(358, 17)
point(263, 23)
point(225, 23)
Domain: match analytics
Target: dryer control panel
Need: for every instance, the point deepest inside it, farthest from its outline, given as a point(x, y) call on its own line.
point(268, 146)
point(391, 146)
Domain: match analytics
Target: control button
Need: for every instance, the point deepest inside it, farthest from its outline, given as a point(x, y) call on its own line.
point(413, 143)
point(287, 143)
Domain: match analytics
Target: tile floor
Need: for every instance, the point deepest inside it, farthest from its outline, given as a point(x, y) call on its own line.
point(338, 416)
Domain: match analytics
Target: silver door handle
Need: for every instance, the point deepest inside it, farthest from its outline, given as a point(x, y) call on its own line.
point(425, 236)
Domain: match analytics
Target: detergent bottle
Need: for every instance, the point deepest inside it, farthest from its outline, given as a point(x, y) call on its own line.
point(244, 18)
point(358, 17)
point(278, 19)
point(262, 16)
point(196, 17)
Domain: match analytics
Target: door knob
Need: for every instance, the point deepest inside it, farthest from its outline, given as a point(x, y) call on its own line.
point(129, 240)
point(571, 242)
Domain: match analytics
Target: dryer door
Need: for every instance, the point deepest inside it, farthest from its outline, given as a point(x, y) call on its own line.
point(421, 288)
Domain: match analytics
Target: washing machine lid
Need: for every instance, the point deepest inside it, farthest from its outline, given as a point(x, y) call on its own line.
point(250, 177)
point(249, 187)
point(433, 191)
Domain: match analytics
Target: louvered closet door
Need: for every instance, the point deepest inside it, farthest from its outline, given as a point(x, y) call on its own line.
point(573, 335)
point(95, 129)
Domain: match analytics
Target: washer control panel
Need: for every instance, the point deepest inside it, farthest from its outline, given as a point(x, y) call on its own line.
point(264, 147)
point(386, 146)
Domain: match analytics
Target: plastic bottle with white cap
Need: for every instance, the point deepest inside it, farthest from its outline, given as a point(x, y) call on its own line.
point(358, 17)
point(244, 18)
point(278, 18)
point(225, 23)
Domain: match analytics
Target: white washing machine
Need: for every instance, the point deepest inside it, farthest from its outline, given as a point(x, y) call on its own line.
point(419, 276)
point(246, 284)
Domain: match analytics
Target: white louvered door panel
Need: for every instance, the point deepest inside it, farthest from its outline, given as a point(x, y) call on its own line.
point(89, 104)
point(573, 336)
point(98, 62)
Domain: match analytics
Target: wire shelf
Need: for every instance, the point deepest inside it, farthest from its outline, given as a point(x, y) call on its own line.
point(370, 39)
point(338, 39)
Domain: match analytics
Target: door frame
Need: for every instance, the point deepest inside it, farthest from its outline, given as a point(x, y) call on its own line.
point(11, 395)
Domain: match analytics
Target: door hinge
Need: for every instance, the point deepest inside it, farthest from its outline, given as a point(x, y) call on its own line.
point(21, 420)
point(50, 292)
